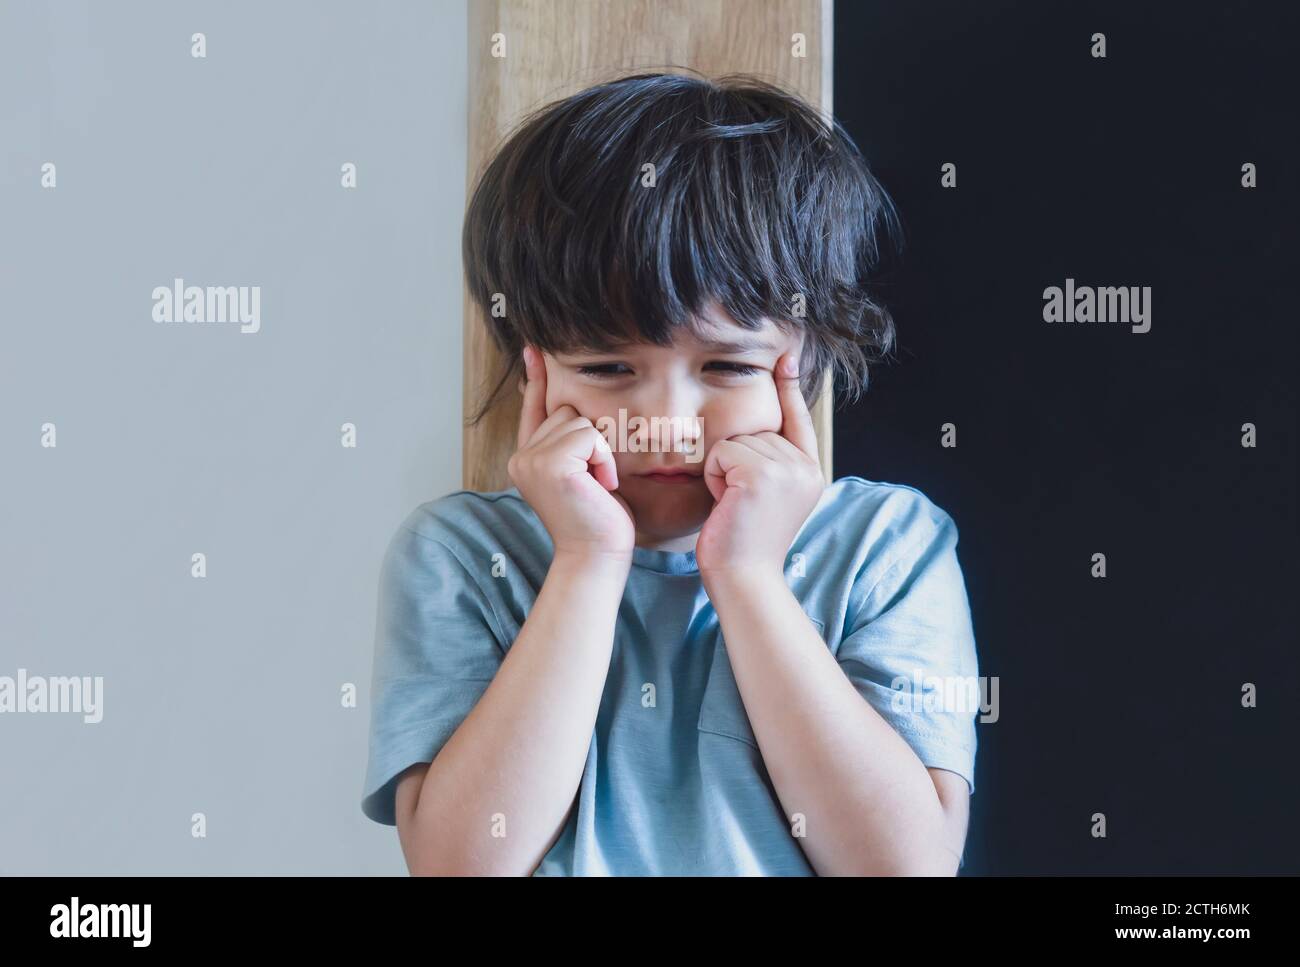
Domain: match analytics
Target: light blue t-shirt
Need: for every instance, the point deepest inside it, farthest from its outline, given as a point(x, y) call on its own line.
point(678, 788)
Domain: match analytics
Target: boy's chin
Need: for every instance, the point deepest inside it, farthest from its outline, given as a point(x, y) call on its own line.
point(669, 518)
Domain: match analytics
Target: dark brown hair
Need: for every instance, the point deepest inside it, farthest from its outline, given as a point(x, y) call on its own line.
point(757, 199)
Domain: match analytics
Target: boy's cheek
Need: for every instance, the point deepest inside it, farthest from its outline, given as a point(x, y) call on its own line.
point(557, 396)
point(761, 413)
point(560, 391)
point(771, 412)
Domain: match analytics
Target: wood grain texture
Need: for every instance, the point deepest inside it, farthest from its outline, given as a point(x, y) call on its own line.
point(557, 47)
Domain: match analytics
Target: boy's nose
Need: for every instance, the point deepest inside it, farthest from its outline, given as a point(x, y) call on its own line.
point(680, 409)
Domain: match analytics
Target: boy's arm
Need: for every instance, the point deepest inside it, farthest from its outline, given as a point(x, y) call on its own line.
point(954, 795)
point(497, 795)
point(870, 805)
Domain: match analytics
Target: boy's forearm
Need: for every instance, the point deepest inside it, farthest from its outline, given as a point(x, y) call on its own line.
point(498, 793)
point(869, 804)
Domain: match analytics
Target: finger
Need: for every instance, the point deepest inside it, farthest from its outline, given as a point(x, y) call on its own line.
point(602, 464)
point(726, 456)
point(771, 445)
point(564, 418)
point(796, 421)
point(716, 465)
point(590, 452)
point(533, 413)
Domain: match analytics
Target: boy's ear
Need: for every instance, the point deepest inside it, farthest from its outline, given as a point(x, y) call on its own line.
point(522, 364)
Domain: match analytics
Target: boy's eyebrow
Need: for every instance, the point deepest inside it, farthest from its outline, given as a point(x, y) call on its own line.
point(738, 345)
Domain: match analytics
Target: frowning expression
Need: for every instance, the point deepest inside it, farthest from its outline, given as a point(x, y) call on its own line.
point(709, 388)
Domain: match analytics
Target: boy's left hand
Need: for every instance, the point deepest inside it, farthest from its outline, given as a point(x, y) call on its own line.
point(765, 485)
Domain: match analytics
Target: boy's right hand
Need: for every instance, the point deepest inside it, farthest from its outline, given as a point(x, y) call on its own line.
point(550, 468)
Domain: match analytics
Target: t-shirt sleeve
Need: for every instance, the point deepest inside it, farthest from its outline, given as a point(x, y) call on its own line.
point(909, 647)
point(436, 651)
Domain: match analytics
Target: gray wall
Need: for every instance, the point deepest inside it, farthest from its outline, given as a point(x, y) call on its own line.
point(221, 694)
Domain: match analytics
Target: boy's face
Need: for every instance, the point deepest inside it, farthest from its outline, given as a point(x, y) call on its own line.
point(714, 391)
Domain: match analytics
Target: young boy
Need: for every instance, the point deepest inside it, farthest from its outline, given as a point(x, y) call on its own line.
point(694, 657)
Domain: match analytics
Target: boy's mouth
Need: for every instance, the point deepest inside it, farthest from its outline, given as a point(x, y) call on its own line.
point(674, 475)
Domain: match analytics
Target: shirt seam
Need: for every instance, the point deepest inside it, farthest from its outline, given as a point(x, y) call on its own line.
point(496, 618)
point(896, 561)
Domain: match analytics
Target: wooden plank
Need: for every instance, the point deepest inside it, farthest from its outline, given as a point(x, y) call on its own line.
point(555, 48)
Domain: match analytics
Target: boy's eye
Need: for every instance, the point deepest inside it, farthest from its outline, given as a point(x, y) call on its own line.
point(603, 370)
point(739, 369)
point(609, 370)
